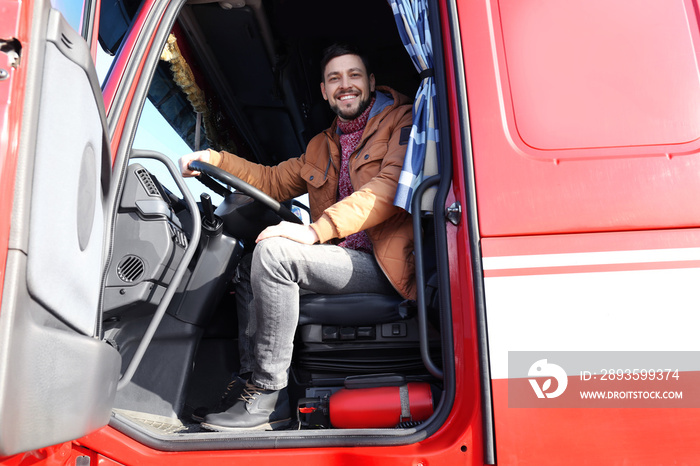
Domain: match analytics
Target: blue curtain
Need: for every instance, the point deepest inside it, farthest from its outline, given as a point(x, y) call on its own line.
point(423, 146)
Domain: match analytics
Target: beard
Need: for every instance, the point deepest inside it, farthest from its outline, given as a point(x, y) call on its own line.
point(350, 114)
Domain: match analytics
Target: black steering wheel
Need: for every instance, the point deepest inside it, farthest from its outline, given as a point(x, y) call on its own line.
point(240, 185)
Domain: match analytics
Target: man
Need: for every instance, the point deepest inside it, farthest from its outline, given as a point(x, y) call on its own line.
point(350, 172)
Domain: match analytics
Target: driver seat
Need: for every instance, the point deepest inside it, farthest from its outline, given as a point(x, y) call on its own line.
point(365, 333)
point(354, 334)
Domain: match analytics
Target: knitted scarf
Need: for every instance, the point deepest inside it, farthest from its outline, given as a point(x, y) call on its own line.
point(351, 133)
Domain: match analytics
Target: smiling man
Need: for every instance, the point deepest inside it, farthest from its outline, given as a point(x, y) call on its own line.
point(350, 172)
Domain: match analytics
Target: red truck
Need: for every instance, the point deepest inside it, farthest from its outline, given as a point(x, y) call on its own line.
point(556, 221)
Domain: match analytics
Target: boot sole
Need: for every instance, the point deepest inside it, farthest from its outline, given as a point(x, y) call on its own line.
point(274, 425)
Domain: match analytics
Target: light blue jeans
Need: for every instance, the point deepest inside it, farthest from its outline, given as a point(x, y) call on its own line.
point(268, 293)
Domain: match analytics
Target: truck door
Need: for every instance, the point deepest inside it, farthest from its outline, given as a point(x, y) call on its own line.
point(58, 378)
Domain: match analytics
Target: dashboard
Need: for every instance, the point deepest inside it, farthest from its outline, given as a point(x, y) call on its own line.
point(149, 242)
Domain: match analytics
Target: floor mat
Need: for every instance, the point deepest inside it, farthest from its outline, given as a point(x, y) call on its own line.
point(161, 424)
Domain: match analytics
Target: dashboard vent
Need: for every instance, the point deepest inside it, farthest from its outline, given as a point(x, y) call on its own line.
point(147, 182)
point(130, 268)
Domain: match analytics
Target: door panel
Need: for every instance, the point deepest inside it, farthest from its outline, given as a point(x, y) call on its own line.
point(57, 378)
point(64, 152)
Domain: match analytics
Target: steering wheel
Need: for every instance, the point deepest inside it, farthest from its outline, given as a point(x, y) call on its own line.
point(240, 185)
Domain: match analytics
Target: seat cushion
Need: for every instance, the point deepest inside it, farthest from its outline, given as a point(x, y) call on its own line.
point(351, 309)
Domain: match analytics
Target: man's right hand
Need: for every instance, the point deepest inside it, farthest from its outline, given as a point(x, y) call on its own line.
point(184, 162)
point(303, 234)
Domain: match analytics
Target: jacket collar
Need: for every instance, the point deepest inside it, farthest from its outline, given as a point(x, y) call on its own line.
point(383, 101)
point(386, 100)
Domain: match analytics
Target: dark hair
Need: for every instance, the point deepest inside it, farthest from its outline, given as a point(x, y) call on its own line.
point(338, 50)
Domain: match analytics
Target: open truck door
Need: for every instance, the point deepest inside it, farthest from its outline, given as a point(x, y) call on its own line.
point(58, 378)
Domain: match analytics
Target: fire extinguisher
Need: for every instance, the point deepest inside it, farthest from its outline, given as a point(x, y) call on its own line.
point(380, 407)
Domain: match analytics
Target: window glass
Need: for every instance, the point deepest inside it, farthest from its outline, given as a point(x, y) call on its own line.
point(72, 11)
point(155, 133)
point(103, 63)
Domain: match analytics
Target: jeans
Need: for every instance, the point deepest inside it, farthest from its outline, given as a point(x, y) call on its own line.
point(268, 304)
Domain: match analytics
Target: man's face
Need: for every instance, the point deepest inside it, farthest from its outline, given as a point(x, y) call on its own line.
point(347, 87)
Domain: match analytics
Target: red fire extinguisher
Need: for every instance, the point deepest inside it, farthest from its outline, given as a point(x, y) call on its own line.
point(379, 407)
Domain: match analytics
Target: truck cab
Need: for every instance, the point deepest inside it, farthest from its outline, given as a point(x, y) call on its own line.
point(551, 173)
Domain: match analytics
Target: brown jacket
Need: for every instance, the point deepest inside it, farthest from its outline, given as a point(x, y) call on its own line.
point(374, 172)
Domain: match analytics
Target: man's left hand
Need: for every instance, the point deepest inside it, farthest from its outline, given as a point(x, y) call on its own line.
point(300, 233)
